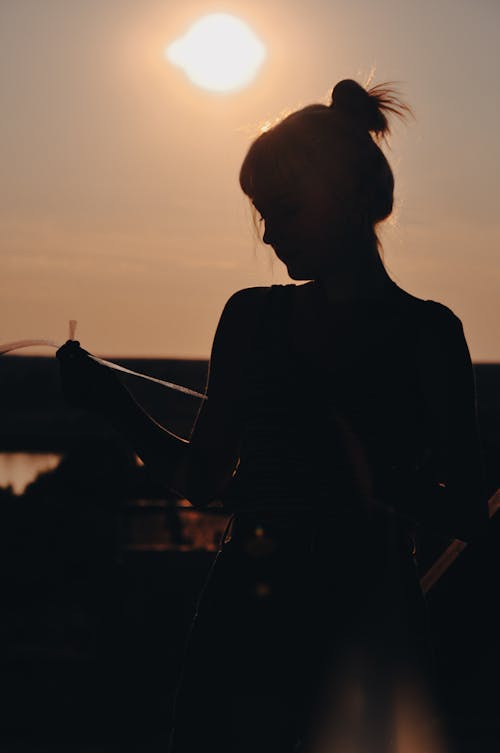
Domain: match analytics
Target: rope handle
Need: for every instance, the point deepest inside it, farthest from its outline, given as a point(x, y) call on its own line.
point(9, 347)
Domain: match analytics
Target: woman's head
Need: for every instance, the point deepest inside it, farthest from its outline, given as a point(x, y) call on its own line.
point(319, 177)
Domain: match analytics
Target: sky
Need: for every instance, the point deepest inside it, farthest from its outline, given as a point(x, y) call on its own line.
point(120, 205)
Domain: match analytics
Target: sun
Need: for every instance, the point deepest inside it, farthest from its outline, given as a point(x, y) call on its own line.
point(219, 52)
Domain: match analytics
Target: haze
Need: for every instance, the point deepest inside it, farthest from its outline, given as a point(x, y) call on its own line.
point(120, 205)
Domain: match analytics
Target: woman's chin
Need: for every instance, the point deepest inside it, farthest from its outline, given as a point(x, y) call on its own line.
point(296, 272)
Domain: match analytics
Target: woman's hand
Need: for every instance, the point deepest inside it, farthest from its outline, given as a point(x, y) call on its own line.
point(355, 455)
point(87, 384)
point(361, 473)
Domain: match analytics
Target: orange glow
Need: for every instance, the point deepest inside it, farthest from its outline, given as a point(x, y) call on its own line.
point(219, 53)
point(121, 206)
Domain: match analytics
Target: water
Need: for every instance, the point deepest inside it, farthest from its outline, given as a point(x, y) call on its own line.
point(143, 524)
point(18, 469)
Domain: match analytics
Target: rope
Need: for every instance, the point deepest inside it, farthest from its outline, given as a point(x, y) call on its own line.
point(450, 554)
point(430, 578)
point(9, 347)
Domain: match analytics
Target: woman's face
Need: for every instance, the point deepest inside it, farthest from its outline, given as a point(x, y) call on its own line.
point(306, 225)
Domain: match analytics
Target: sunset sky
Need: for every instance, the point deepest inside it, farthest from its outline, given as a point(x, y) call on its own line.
point(120, 205)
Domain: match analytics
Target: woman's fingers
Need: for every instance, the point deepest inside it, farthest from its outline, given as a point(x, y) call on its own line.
point(70, 350)
point(85, 383)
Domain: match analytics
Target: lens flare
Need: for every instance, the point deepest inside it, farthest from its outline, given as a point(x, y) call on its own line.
point(219, 53)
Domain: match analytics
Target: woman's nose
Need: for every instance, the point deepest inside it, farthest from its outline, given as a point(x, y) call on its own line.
point(267, 235)
point(270, 233)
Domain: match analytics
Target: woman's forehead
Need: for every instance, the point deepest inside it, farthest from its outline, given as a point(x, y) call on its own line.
point(270, 195)
point(272, 181)
point(278, 189)
point(281, 184)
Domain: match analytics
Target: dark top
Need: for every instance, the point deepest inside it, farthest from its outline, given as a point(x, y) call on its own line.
point(402, 385)
point(298, 605)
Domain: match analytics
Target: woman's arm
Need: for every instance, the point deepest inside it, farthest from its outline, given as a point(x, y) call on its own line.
point(200, 468)
point(212, 455)
point(449, 495)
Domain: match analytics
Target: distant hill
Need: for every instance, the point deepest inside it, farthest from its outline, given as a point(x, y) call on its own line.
point(36, 418)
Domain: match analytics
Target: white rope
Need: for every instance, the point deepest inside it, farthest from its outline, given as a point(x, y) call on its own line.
point(25, 344)
point(170, 385)
point(8, 347)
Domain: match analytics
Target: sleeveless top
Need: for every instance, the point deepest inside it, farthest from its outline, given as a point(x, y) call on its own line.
point(292, 453)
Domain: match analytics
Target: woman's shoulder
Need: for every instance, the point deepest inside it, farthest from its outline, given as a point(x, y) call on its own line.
point(247, 297)
point(429, 312)
point(245, 303)
point(240, 312)
point(438, 331)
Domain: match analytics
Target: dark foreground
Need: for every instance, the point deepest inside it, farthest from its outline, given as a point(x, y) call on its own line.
point(92, 636)
point(92, 626)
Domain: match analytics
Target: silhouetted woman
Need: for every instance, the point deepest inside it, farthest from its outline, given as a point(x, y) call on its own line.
point(340, 418)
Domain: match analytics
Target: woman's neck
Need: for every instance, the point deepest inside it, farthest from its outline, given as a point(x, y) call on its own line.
point(365, 280)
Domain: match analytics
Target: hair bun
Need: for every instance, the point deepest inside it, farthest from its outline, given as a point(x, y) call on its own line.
point(361, 106)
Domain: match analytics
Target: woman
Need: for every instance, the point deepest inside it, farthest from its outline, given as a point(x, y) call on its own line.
point(340, 418)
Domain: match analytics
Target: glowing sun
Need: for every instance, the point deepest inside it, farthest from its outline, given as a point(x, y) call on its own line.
point(218, 52)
